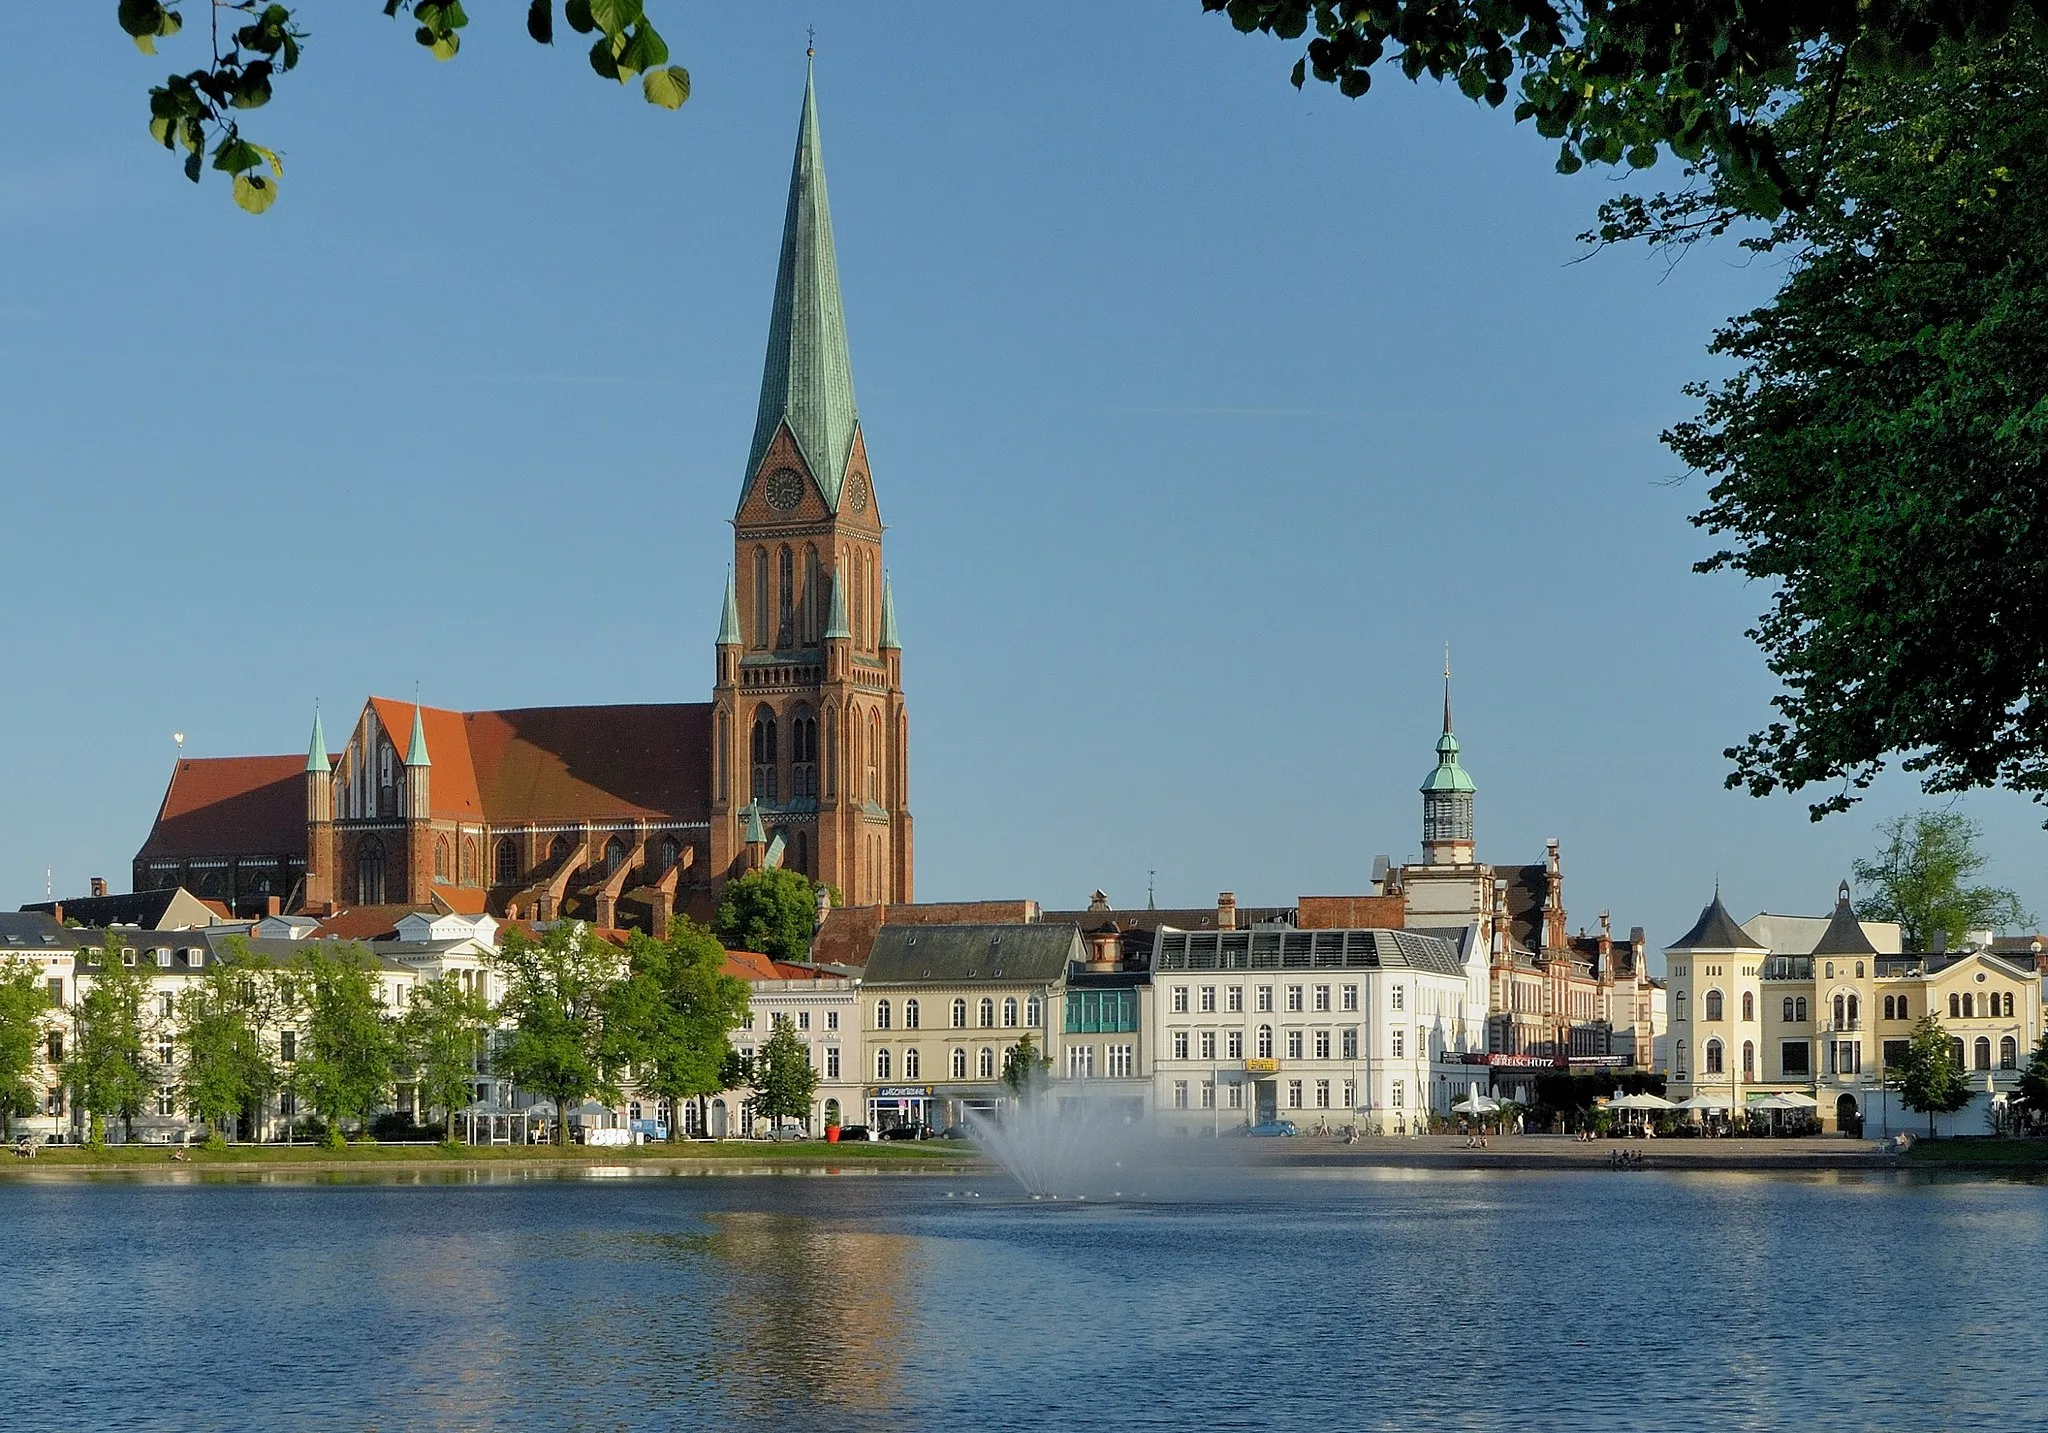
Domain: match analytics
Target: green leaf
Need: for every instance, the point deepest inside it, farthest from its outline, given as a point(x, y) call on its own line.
point(644, 51)
point(668, 88)
point(445, 47)
point(145, 43)
point(276, 164)
point(540, 21)
point(577, 13)
point(192, 166)
point(141, 18)
point(603, 61)
point(235, 155)
point(614, 17)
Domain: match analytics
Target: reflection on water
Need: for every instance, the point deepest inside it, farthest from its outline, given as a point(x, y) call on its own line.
point(1404, 1300)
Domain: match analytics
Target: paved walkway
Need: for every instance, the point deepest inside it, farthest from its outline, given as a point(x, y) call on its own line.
point(1564, 1152)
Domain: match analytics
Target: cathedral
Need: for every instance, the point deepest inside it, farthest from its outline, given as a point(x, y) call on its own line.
point(624, 815)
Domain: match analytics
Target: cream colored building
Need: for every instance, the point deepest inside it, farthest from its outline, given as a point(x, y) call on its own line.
point(824, 1012)
point(943, 1005)
point(1795, 1005)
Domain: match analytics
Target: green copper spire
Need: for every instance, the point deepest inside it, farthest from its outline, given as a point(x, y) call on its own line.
point(889, 616)
point(756, 836)
point(1448, 776)
point(316, 752)
point(416, 754)
point(837, 627)
point(729, 623)
point(808, 379)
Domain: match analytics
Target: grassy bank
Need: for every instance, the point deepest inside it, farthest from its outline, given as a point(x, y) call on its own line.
point(371, 1156)
point(1980, 1153)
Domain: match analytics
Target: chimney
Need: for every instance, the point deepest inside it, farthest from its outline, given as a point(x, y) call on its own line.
point(1226, 911)
point(824, 906)
point(99, 885)
point(1103, 949)
point(58, 912)
point(273, 906)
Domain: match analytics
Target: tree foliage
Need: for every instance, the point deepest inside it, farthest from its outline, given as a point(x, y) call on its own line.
point(774, 911)
point(1879, 455)
point(254, 43)
point(1615, 81)
point(1023, 1065)
point(1920, 878)
point(227, 1071)
point(676, 1011)
point(1930, 1079)
point(349, 1051)
point(24, 1009)
point(111, 1072)
point(568, 1040)
point(2034, 1082)
point(442, 1037)
point(784, 1080)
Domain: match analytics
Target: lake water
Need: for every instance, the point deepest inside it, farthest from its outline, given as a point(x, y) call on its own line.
point(1367, 1300)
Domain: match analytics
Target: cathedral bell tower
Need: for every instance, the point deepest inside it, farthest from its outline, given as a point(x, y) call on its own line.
point(809, 732)
point(1447, 798)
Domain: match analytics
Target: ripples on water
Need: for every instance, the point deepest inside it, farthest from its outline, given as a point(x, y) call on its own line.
point(1340, 1300)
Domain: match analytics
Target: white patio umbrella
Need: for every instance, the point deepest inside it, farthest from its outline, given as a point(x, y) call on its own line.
point(1799, 1101)
point(1701, 1102)
point(1641, 1102)
point(1475, 1103)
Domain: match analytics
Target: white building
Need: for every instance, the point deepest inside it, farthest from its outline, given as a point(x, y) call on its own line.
point(1336, 1026)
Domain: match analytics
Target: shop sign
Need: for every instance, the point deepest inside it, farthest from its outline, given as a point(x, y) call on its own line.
point(1262, 1067)
point(903, 1092)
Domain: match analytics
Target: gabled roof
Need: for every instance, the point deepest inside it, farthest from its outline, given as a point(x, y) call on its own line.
point(231, 806)
point(960, 954)
point(22, 932)
point(1715, 930)
point(752, 965)
point(807, 380)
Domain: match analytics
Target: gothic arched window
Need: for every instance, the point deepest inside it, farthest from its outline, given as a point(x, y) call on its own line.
point(558, 850)
point(812, 626)
point(440, 858)
point(874, 754)
point(800, 852)
point(803, 753)
point(614, 856)
point(785, 598)
point(508, 861)
point(671, 852)
point(370, 872)
point(761, 597)
point(764, 755)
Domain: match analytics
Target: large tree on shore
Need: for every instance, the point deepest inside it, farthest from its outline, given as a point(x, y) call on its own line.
point(676, 1009)
point(1929, 1077)
point(24, 1009)
point(567, 1038)
point(1920, 878)
point(349, 1054)
point(200, 112)
point(227, 1071)
point(785, 1082)
point(110, 1071)
point(443, 1036)
point(1879, 456)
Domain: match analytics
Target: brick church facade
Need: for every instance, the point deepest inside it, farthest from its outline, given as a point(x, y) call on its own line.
point(627, 814)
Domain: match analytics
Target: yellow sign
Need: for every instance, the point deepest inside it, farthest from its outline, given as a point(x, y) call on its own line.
point(1262, 1067)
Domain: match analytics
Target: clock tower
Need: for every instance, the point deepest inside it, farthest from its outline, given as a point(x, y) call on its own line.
point(810, 741)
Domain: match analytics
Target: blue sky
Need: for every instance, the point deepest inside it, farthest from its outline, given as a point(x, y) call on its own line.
point(1204, 412)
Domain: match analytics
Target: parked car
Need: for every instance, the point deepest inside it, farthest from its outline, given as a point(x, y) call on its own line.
point(1273, 1129)
point(955, 1132)
point(786, 1134)
point(857, 1134)
point(907, 1132)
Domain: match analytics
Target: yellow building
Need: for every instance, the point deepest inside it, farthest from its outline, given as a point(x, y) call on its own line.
point(1749, 1021)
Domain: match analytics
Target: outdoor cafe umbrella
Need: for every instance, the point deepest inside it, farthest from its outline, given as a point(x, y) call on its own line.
point(1641, 1104)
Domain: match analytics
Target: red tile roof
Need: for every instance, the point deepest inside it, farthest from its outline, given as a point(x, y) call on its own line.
point(753, 965)
point(231, 806)
point(562, 763)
